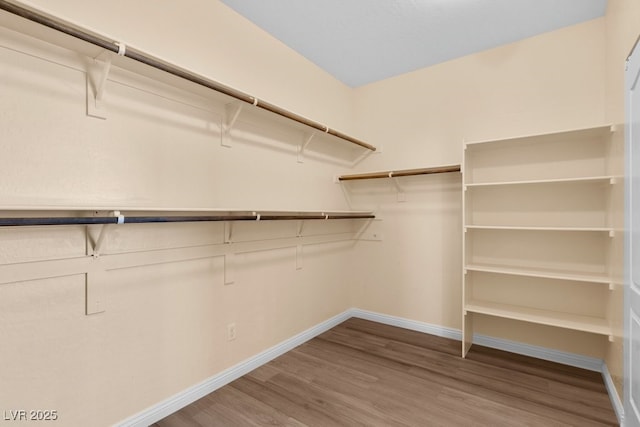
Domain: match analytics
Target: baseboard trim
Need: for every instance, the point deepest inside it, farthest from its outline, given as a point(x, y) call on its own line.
point(400, 322)
point(616, 402)
point(565, 358)
point(190, 395)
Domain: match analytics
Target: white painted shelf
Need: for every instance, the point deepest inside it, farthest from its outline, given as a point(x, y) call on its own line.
point(542, 273)
point(576, 322)
point(588, 179)
point(596, 131)
point(538, 207)
point(535, 228)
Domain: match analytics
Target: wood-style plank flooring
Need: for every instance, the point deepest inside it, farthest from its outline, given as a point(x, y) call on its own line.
point(362, 373)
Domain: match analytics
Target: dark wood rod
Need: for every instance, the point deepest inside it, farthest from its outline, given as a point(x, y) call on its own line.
point(144, 58)
point(403, 172)
point(22, 222)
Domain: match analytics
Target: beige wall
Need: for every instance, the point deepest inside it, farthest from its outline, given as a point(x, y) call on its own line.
point(551, 82)
point(622, 30)
point(165, 324)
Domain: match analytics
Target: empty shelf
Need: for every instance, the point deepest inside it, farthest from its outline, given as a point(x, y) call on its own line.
point(546, 274)
point(543, 317)
point(575, 134)
point(588, 179)
point(532, 228)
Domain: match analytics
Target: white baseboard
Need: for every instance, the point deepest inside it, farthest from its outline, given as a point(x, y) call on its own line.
point(571, 359)
point(616, 402)
point(190, 395)
point(400, 322)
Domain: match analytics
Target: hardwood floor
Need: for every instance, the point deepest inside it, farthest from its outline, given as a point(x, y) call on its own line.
point(362, 373)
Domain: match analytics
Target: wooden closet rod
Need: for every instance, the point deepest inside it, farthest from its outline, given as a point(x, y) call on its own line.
point(404, 172)
point(172, 69)
point(120, 219)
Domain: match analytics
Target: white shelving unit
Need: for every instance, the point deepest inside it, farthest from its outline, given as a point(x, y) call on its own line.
point(537, 230)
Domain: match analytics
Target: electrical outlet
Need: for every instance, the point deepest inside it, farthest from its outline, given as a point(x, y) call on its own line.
point(231, 331)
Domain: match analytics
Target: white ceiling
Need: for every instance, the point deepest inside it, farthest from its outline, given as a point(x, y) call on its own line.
point(363, 41)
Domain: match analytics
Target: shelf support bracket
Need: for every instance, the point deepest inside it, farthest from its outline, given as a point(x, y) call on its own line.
point(300, 228)
point(96, 88)
point(101, 237)
point(104, 230)
point(228, 231)
point(232, 112)
point(402, 197)
point(97, 76)
point(303, 146)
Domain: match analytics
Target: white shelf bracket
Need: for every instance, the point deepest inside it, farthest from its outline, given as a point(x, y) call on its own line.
point(402, 196)
point(101, 237)
point(97, 76)
point(303, 145)
point(300, 228)
point(104, 230)
point(232, 112)
point(96, 84)
point(228, 231)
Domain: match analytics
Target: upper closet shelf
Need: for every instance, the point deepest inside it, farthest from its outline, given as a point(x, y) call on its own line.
point(121, 50)
point(579, 134)
point(399, 173)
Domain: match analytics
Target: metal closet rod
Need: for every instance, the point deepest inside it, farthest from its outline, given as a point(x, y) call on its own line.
point(120, 219)
point(172, 69)
point(404, 172)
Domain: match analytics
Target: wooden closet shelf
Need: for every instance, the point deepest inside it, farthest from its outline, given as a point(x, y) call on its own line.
point(402, 172)
point(576, 322)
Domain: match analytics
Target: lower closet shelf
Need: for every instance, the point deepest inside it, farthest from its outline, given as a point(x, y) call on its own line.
point(541, 273)
point(576, 322)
